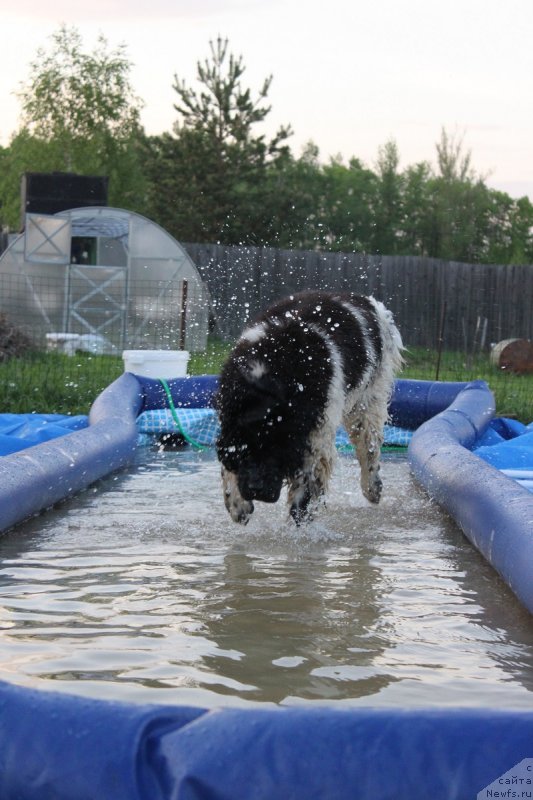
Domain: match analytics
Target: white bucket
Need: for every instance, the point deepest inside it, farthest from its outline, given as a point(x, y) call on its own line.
point(156, 363)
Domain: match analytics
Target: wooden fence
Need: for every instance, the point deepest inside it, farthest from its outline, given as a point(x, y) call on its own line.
point(473, 304)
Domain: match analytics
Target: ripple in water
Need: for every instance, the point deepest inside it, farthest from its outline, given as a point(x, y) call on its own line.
point(144, 589)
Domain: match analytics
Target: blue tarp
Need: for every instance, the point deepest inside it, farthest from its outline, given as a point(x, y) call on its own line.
point(37, 477)
point(412, 403)
point(193, 398)
point(200, 426)
point(18, 431)
point(507, 445)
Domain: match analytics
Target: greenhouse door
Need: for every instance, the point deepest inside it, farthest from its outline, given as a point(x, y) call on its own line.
point(97, 302)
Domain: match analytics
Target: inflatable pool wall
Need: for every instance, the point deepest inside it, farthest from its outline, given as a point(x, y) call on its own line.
point(494, 511)
point(59, 747)
point(37, 478)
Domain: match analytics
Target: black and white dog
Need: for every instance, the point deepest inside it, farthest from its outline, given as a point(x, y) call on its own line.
point(310, 363)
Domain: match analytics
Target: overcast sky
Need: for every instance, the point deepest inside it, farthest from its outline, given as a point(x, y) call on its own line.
point(347, 74)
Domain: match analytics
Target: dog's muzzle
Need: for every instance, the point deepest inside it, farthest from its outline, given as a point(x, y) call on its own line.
point(260, 483)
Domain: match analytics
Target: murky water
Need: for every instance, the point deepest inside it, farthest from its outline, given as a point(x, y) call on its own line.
point(143, 589)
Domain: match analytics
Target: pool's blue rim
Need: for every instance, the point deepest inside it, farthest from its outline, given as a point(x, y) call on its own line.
point(35, 479)
point(494, 511)
point(65, 747)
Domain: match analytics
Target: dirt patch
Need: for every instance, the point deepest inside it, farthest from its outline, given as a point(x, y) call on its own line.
point(13, 341)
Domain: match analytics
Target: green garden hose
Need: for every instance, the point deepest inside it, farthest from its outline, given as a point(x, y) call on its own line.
point(175, 417)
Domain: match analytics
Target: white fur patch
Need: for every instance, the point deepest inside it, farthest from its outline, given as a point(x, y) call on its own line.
point(258, 369)
point(389, 331)
point(369, 344)
point(238, 508)
point(254, 334)
point(319, 463)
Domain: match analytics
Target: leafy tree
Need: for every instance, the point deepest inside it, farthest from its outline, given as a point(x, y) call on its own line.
point(299, 193)
point(225, 111)
point(349, 205)
point(79, 114)
point(446, 211)
point(521, 239)
point(74, 96)
point(415, 225)
point(457, 202)
point(289, 197)
point(388, 200)
point(509, 224)
point(181, 193)
point(454, 164)
point(208, 177)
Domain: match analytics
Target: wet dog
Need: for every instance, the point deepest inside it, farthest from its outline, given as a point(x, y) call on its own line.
point(310, 363)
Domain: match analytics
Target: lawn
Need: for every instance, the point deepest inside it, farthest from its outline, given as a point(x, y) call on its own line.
point(513, 393)
point(55, 383)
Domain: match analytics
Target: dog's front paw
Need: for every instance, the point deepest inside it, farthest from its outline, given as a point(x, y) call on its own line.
point(241, 512)
point(306, 494)
point(299, 498)
point(239, 509)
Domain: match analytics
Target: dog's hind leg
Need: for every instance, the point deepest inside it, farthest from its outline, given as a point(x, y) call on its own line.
point(365, 429)
point(240, 509)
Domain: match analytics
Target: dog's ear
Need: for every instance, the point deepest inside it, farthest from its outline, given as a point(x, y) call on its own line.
point(271, 388)
point(265, 393)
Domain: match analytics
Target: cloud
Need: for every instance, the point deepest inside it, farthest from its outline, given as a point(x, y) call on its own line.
point(101, 11)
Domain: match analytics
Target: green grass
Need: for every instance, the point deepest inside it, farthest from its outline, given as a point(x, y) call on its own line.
point(210, 362)
point(59, 384)
point(513, 393)
point(55, 383)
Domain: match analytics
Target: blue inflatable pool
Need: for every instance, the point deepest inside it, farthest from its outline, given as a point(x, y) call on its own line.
point(67, 748)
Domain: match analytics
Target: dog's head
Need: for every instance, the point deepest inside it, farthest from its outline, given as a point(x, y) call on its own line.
point(257, 429)
point(269, 401)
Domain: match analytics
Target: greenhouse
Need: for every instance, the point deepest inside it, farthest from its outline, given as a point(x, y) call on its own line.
point(102, 279)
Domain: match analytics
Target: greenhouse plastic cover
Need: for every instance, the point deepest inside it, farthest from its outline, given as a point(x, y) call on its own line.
point(60, 747)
